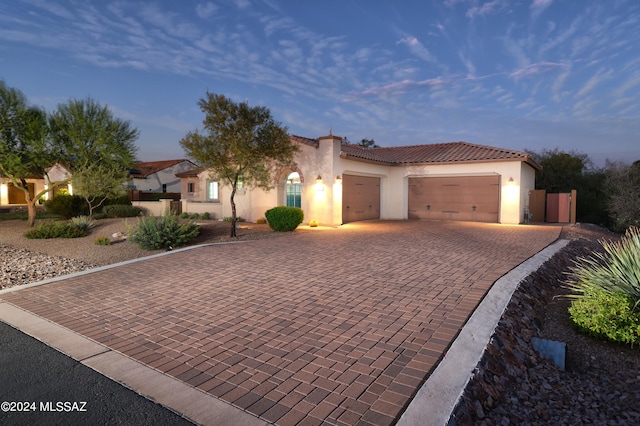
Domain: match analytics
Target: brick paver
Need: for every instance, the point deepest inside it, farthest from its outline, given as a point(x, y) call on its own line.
point(334, 326)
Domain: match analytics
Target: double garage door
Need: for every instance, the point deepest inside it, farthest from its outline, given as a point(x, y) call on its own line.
point(465, 198)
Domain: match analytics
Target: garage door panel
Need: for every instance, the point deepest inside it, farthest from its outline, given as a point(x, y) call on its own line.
point(360, 198)
point(468, 198)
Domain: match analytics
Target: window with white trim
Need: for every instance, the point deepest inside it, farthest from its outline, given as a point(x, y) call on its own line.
point(212, 191)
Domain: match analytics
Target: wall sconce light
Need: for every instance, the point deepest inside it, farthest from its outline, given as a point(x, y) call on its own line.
point(338, 179)
point(319, 185)
point(319, 180)
point(511, 181)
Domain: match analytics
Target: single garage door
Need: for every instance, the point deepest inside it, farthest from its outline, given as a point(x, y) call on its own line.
point(466, 198)
point(360, 198)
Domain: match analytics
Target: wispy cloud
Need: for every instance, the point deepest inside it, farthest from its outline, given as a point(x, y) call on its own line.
point(538, 6)
point(205, 10)
point(401, 87)
point(537, 68)
point(417, 48)
point(593, 82)
point(488, 8)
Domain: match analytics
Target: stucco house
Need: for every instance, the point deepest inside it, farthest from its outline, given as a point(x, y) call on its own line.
point(158, 176)
point(12, 196)
point(335, 183)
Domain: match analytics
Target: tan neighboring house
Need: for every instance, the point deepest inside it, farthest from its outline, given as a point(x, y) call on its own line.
point(12, 196)
point(158, 176)
point(336, 183)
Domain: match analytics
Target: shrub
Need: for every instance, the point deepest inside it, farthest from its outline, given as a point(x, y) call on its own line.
point(313, 223)
point(83, 222)
point(194, 216)
point(605, 315)
point(611, 279)
point(284, 219)
point(56, 230)
point(238, 219)
point(121, 210)
point(67, 206)
point(261, 220)
point(206, 216)
point(102, 241)
point(184, 215)
point(166, 232)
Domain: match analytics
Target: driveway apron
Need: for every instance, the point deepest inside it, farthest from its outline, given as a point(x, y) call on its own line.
point(340, 326)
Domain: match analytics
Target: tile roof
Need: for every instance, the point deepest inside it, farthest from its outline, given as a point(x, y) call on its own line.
point(308, 141)
point(442, 153)
point(142, 169)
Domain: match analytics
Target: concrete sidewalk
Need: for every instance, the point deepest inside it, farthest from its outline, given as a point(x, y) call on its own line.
point(339, 326)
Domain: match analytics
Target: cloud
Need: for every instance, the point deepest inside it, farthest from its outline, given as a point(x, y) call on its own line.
point(539, 5)
point(537, 68)
point(401, 87)
point(491, 7)
point(417, 48)
point(205, 10)
point(593, 82)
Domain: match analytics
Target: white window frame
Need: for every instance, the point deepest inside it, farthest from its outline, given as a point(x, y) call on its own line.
point(213, 191)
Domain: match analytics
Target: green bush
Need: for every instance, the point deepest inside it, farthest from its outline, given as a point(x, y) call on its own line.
point(194, 216)
point(284, 219)
point(121, 210)
point(102, 241)
point(206, 215)
point(67, 206)
point(605, 315)
point(166, 232)
point(83, 222)
point(184, 215)
point(56, 229)
point(238, 219)
point(604, 284)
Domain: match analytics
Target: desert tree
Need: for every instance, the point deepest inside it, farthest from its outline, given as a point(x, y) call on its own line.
point(99, 148)
point(26, 149)
point(622, 186)
point(239, 142)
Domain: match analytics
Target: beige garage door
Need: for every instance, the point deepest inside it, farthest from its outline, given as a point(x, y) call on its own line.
point(466, 198)
point(360, 198)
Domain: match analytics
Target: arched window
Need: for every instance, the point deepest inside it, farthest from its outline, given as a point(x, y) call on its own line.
point(294, 190)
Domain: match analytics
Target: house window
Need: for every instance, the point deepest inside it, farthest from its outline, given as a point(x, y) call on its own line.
point(212, 191)
point(190, 187)
point(164, 187)
point(294, 190)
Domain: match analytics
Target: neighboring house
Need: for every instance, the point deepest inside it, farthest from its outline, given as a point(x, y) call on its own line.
point(10, 195)
point(336, 183)
point(158, 176)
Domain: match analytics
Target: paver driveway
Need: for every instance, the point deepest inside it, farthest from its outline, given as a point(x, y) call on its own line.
point(340, 326)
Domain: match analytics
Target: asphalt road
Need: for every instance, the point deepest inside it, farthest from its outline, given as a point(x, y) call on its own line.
point(36, 377)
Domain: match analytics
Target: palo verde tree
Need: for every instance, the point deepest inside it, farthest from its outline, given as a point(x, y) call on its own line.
point(26, 149)
point(99, 148)
point(239, 142)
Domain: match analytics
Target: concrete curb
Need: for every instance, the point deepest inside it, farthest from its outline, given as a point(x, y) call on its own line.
point(437, 398)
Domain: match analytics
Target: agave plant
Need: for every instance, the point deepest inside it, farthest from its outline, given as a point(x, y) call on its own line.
point(616, 270)
point(83, 222)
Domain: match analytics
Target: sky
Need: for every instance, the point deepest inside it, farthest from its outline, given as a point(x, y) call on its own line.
point(517, 74)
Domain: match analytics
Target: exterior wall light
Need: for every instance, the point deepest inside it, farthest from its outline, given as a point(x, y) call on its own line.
point(319, 185)
point(338, 179)
point(319, 179)
point(511, 181)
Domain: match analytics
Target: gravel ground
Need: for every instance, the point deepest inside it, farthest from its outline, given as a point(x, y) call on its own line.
point(512, 385)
